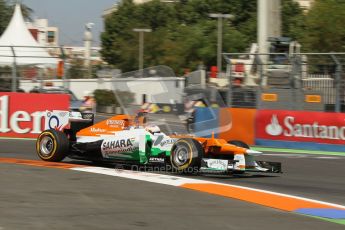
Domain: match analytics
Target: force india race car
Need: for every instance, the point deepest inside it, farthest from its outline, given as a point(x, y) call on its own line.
point(126, 139)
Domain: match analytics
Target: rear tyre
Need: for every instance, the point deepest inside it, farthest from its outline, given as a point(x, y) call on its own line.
point(186, 155)
point(52, 145)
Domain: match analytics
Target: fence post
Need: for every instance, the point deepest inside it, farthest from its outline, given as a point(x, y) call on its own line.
point(295, 83)
point(337, 83)
point(298, 59)
point(229, 75)
point(64, 79)
point(40, 77)
point(14, 71)
point(229, 94)
point(261, 75)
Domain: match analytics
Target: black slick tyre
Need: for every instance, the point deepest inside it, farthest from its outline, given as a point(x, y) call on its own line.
point(52, 145)
point(186, 155)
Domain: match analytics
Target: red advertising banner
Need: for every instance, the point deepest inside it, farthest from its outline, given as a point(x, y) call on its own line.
point(301, 126)
point(21, 114)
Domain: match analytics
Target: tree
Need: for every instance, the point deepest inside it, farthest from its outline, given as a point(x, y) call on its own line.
point(5, 15)
point(6, 11)
point(293, 20)
point(183, 35)
point(77, 69)
point(26, 11)
point(324, 27)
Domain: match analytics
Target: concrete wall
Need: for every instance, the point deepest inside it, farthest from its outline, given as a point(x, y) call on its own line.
point(290, 98)
point(157, 90)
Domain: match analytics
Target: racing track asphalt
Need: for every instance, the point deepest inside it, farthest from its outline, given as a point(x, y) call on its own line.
point(41, 198)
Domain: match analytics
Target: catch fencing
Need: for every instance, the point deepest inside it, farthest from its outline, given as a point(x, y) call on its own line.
point(300, 81)
point(29, 63)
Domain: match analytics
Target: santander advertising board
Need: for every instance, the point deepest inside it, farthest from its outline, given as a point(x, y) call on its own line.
point(22, 114)
point(301, 126)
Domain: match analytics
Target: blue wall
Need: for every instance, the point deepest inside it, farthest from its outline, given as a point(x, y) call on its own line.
point(206, 122)
point(300, 145)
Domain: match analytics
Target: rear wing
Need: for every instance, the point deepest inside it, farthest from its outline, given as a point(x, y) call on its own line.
point(61, 120)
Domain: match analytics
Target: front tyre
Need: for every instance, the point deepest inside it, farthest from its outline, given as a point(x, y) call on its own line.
point(186, 155)
point(52, 145)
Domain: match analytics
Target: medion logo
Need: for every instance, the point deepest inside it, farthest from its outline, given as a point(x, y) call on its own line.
point(314, 130)
point(98, 130)
point(11, 122)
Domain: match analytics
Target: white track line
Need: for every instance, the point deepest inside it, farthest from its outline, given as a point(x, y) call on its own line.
point(180, 181)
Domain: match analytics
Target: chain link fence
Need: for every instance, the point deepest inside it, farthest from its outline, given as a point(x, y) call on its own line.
point(34, 63)
point(298, 81)
point(5, 78)
point(303, 81)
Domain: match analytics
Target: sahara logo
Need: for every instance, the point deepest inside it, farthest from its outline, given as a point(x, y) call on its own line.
point(116, 144)
point(274, 128)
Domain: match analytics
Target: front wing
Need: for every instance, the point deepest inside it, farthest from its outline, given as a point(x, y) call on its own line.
point(220, 165)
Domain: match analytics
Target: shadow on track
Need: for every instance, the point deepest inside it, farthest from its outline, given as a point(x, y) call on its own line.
point(164, 170)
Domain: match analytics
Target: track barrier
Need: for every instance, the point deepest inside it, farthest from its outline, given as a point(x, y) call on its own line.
point(279, 128)
point(301, 129)
point(21, 114)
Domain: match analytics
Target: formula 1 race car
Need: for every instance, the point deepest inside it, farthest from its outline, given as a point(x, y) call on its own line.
point(127, 139)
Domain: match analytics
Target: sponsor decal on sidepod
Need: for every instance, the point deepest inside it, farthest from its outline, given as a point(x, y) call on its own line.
point(98, 130)
point(113, 147)
point(116, 144)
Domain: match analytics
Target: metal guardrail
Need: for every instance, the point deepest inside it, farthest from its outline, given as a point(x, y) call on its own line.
point(13, 52)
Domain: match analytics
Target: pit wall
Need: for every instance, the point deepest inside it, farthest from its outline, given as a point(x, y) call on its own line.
point(277, 128)
point(167, 90)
